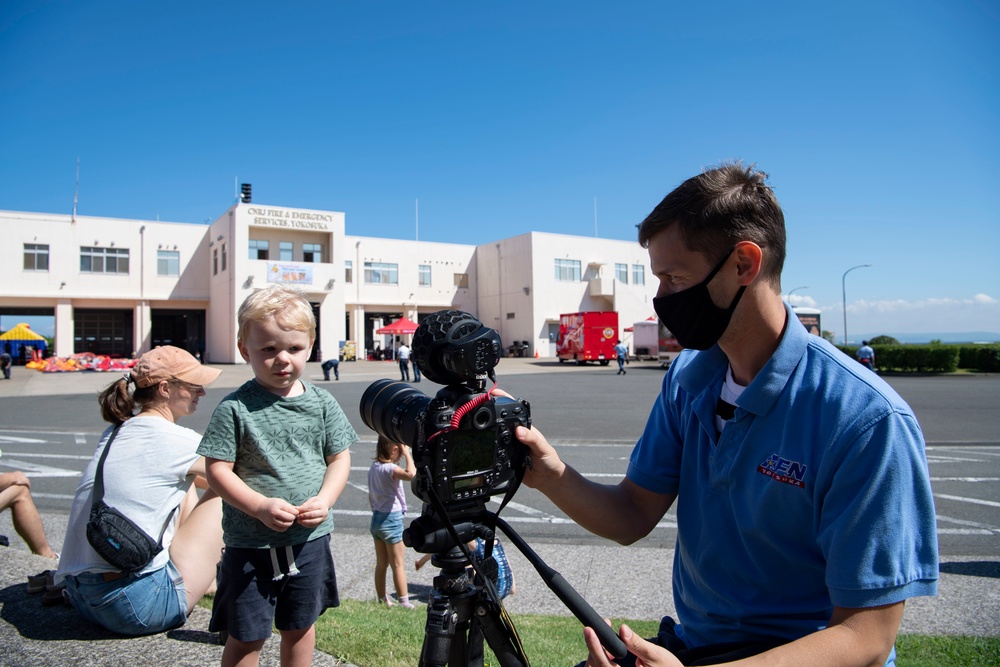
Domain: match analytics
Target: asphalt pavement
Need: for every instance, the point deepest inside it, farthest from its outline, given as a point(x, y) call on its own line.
point(619, 582)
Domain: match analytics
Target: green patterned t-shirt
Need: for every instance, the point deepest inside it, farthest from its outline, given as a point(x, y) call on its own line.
point(278, 447)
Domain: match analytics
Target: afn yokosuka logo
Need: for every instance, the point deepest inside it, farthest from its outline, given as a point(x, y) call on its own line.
point(783, 470)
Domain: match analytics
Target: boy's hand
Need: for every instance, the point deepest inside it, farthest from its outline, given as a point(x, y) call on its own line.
point(313, 512)
point(276, 514)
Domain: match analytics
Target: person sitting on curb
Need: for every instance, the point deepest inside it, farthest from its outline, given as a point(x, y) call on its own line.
point(15, 493)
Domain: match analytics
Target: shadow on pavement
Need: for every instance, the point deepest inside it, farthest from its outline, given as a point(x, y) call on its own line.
point(975, 568)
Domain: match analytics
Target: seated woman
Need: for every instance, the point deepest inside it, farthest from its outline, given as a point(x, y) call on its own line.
point(151, 471)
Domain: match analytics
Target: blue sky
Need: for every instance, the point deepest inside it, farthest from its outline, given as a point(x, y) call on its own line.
point(879, 123)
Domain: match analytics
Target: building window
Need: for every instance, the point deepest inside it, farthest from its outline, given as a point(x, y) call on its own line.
point(104, 260)
point(568, 269)
point(223, 254)
point(312, 252)
point(215, 262)
point(621, 273)
point(348, 271)
point(381, 273)
point(168, 263)
point(424, 275)
point(258, 249)
point(36, 257)
point(462, 280)
point(285, 251)
point(638, 274)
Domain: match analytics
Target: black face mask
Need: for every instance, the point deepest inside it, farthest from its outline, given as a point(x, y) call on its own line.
point(691, 316)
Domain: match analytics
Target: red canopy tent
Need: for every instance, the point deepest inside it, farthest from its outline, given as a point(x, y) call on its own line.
point(401, 326)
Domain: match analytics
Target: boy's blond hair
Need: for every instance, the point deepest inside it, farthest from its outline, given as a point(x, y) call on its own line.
point(288, 307)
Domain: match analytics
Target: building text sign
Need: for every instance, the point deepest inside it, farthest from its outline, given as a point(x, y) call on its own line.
point(289, 218)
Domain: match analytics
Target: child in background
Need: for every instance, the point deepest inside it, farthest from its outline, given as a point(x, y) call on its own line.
point(388, 503)
point(505, 576)
point(277, 453)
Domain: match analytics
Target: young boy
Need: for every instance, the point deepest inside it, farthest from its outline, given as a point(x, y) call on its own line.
point(277, 453)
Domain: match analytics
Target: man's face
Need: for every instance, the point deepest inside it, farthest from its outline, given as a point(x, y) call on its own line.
point(678, 268)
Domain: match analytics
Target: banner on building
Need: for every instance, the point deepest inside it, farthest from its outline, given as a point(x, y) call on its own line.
point(286, 272)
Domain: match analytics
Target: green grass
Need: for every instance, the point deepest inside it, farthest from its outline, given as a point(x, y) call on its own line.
point(371, 635)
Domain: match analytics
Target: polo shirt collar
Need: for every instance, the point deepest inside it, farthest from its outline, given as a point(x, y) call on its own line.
point(707, 370)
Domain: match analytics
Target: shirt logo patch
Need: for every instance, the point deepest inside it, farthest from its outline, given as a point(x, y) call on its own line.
point(783, 470)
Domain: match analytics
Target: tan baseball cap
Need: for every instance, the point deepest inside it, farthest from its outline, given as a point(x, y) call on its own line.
point(168, 362)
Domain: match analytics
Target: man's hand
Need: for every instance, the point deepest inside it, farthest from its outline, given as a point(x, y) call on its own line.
point(647, 654)
point(312, 512)
point(545, 464)
point(276, 514)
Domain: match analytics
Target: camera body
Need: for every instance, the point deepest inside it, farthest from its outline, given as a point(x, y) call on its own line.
point(477, 459)
point(462, 439)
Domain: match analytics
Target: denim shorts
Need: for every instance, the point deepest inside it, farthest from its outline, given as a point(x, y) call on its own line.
point(387, 527)
point(137, 604)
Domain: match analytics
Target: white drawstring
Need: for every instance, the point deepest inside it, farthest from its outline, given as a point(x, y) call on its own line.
point(276, 568)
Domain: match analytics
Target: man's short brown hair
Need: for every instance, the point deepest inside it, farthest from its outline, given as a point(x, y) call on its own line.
point(719, 208)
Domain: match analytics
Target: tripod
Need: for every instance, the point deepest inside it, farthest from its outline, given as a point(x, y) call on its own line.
point(461, 611)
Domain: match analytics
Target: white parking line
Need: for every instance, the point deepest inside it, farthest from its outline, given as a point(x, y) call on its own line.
point(35, 470)
point(961, 499)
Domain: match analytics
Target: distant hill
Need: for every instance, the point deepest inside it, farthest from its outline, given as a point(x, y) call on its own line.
point(961, 337)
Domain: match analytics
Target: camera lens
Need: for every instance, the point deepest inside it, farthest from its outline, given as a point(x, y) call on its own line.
point(393, 408)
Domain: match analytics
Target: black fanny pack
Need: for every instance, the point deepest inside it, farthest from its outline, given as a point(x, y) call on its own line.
point(113, 535)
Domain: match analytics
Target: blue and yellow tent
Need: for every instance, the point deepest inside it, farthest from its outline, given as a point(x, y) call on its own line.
point(21, 336)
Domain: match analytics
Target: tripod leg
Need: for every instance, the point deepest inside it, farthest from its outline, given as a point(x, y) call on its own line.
point(502, 637)
point(439, 633)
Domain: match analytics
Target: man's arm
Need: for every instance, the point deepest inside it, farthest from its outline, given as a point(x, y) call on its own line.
point(854, 638)
point(275, 513)
point(624, 512)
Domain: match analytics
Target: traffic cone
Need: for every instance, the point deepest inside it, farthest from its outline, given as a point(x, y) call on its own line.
point(536, 354)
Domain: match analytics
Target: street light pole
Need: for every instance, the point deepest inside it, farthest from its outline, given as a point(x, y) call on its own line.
point(788, 297)
point(843, 287)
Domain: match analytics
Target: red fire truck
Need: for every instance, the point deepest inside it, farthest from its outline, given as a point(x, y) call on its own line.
point(588, 336)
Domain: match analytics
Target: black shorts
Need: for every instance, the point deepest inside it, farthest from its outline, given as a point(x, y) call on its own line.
point(252, 597)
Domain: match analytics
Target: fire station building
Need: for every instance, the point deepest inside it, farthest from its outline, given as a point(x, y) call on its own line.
point(120, 287)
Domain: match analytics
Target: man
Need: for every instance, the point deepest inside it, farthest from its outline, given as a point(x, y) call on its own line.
point(403, 355)
point(6, 361)
point(806, 517)
point(15, 493)
point(416, 368)
point(621, 353)
point(866, 355)
point(331, 364)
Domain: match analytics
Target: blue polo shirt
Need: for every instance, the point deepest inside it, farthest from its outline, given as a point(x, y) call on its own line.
point(815, 495)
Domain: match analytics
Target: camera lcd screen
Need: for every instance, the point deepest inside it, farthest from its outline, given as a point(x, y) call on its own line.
point(471, 451)
point(473, 482)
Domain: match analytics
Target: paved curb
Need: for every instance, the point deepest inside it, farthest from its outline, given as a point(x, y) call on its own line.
point(619, 582)
point(32, 634)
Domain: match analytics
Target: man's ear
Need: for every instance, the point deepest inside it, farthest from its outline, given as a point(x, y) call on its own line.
point(749, 259)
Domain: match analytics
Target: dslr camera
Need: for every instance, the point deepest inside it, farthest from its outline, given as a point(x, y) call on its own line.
point(462, 439)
